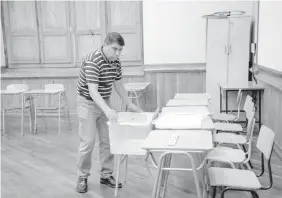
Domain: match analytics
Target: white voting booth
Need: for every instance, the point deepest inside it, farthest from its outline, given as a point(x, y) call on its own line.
point(128, 134)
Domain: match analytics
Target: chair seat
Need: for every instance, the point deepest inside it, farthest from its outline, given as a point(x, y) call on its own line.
point(227, 126)
point(236, 178)
point(229, 138)
point(226, 154)
point(223, 117)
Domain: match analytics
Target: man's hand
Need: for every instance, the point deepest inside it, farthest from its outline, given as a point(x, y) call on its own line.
point(134, 108)
point(112, 116)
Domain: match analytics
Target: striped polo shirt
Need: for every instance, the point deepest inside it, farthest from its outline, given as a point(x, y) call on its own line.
point(97, 69)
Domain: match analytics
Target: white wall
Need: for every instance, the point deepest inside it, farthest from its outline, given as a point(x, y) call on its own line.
point(270, 35)
point(174, 31)
point(2, 47)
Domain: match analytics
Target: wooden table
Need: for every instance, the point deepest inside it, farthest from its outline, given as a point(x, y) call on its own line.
point(254, 88)
point(135, 90)
point(60, 93)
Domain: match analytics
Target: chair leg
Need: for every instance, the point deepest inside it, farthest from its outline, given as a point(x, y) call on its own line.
point(249, 162)
point(3, 121)
point(59, 116)
point(126, 161)
point(254, 194)
point(146, 165)
point(117, 177)
point(67, 113)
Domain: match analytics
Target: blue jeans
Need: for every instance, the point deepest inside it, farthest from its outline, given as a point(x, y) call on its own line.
point(93, 121)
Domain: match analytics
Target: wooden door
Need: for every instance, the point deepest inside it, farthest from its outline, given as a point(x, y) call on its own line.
point(21, 33)
point(88, 22)
point(54, 20)
point(124, 17)
point(239, 50)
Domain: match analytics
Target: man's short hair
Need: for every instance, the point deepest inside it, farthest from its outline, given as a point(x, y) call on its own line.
point(114, 37)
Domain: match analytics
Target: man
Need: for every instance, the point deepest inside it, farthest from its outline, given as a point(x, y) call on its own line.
point(99, 71)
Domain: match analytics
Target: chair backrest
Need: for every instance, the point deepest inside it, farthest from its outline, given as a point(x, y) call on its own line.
point(249, 107)
point(250, 126)
point(17, 87)
point(250, 132)
point(54, 86)
point(265, 141)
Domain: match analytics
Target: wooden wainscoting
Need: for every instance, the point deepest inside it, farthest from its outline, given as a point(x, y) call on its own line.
point(165, 81)
point(272, 103)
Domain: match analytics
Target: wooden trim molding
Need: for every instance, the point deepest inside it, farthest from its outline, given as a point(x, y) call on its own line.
point(175, 67)
point(269, 76)
point(72, 72)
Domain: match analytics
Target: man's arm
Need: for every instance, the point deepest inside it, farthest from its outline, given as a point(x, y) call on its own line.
point(97, 98)
point(119, 87)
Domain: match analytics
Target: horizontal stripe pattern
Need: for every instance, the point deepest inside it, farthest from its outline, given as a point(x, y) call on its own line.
point(95, 69)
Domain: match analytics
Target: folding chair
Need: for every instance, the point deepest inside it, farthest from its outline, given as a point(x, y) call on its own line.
point(245, 180)
point(61, 103)
point(230, 117)
point(232, 127)
point(235, 155)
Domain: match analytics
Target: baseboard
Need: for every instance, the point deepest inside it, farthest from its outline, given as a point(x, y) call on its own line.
point(71, 112)
point(278, 150)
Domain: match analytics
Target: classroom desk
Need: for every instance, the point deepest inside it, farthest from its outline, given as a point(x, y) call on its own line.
point(15, 92)
point(254, 88)
point(183, 121)
point(60, 93)
point(189, 141)
point(188, 102)
point(135, 90)
point(187, 109)
point(192, 95)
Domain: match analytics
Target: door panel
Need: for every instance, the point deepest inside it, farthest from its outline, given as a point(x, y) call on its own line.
point(239, 48)
point(216, 59)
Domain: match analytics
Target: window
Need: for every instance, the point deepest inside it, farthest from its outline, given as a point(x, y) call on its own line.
point(61, 33)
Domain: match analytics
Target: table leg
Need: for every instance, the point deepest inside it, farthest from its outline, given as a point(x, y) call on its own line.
point(259, 108)
point(165, 175)
point(220, 100)
point(226, 102)
point(22, 111)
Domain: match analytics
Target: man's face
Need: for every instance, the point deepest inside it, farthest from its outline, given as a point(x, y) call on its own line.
point(112, 51)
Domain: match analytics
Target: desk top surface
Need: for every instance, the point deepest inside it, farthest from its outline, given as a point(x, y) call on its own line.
point(188, 140)
point(10, 92)
point(251, 86)
point(44, 91)
point(172, 121)
point(191, 95)
point(136, 86)
point(194, 101)
point(187, 109)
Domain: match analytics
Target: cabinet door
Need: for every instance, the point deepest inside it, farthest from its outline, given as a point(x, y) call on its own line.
point(216, 58)
point(124, 17)
point(55, 31)
point(21, 32)
point(88, 25)
point(239, 51)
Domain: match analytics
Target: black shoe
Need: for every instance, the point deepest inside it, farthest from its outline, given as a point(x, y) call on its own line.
point(110, 181)
point(81, 185)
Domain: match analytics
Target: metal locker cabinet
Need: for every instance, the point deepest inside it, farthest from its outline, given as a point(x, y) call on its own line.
point(227, 54)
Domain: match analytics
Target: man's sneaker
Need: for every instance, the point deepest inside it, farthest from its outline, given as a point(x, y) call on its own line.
point(110, 181)
point(82, 185)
